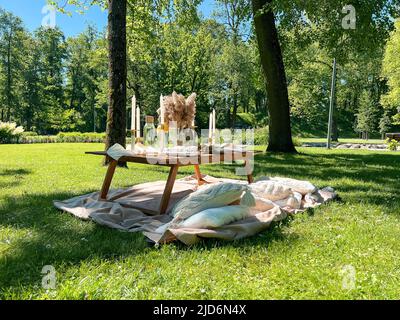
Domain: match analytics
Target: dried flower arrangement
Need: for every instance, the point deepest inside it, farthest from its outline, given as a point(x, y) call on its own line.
point(179, 109)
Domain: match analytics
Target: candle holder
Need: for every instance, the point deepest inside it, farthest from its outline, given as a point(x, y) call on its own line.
point(134, 138)
point(138, 140)
point(133, 134)
point(205, 148)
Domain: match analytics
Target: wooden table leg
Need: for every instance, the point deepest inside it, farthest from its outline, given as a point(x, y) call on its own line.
point(200, 180)
point(107, 180)
point(250, 178)
point(168, 188)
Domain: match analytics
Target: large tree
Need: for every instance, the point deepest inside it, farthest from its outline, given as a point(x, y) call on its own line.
point(116, 119)
point(12, 44)
point(391, 70)
point(280, 134)
point(117, 66)
point(328, 26)
point(51, 75)
point(31, 95)
point(235, 15)
point(83, 77)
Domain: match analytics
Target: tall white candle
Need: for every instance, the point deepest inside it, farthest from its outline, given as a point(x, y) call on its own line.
point(210, 126)
point(162, 109)
point(133, 122)
point(133, 113)
point(213, 123)
point(137, 122)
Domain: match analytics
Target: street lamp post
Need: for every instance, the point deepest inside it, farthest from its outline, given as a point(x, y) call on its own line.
point(331, 105)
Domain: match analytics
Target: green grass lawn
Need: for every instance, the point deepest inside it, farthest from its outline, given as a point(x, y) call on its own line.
point(300, 259)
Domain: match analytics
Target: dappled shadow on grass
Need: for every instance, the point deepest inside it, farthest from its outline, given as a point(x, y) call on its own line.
point(14, 172)
point(369, 178)
point(4, 185)
point(14, 177)
point(51, 237)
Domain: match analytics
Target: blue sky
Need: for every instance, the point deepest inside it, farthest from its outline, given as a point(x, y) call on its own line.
point(207, 7)
point(30, 11)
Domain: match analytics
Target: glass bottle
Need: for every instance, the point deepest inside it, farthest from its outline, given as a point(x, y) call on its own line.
point(149, 132)
point(160, 136)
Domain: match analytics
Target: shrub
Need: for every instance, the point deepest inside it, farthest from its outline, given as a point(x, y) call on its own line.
point(29, 134)
point(64, 137)
point(261, 136)
point(392, 144)
point(297, 142)
point(80, 137)
point(38, 139)
point(248, 118)
point(93, 137)
point(69, 136)
point(9, 132)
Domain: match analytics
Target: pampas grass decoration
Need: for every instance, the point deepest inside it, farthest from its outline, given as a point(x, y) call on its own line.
point(179, 109)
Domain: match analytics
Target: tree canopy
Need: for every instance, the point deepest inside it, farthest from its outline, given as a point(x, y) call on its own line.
point(391, 70)
point(50, 83)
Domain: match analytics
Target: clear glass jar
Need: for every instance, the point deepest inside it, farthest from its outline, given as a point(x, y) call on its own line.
point(149, 132)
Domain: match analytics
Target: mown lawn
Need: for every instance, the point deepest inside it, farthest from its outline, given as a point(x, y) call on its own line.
point(303, 258)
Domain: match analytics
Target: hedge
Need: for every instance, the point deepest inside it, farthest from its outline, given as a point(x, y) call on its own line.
point(63, 137)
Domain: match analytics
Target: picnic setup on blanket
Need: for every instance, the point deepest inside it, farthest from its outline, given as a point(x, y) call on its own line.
point(198, 206)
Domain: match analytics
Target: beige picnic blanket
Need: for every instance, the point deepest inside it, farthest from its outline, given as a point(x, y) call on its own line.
point(118, 211)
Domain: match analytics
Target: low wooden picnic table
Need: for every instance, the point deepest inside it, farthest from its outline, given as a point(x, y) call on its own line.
point(174, 162)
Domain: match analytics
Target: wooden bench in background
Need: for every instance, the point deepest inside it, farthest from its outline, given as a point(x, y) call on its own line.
point(393, 136)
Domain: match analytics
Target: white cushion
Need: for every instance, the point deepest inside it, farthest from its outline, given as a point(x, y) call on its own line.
point(216, 217)
point(263, 205)
point(270, 190)
point(211, 196)
point(299, 186)
point(293, 201)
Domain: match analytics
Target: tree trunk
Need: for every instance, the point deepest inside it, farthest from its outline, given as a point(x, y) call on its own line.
point(280, 133)
point(9, 77)
point(228, 112)
point(335, 131)
point(28, 124)
point(234, 113)
point(116, 116)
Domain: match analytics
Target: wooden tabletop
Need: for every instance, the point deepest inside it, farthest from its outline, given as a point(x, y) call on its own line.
point(181, 159)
